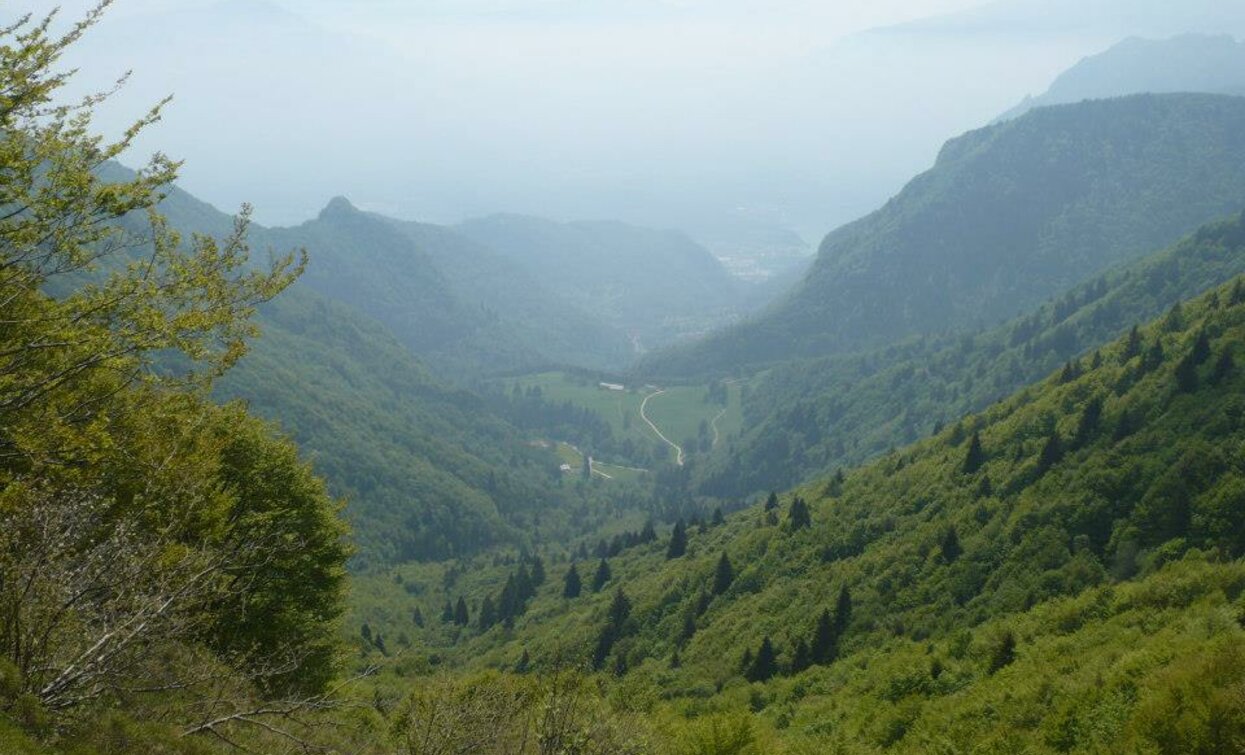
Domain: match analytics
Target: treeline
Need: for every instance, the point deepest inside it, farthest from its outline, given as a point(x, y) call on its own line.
point(808, 417)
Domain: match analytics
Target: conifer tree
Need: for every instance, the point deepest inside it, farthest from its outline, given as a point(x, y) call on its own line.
point(461, 617)
point(573, 585)
point(615, 629)
point(620, 609)
point(950, 545)
point(488, 614)
point(1091, 417)
point(447, 613)
point(365, 632)
point(1132, 347)
point(1201, 348)
point(689, 628)
point(824, 646)
point(843, 611)
point(801, 657)
point(417, 616)
point(1224, 366)
point(678, 541)
point(976, 456)
point(509, 604)
point(524, 663)
point(1052, 452)
point(764, 664)
point(523, 584)
point(1186, 375)
point(723, 576)
point(771, 503)
point(799, 517)
point(602, 576)
point(1004, 653)
point(538, 572)
point(718, 519)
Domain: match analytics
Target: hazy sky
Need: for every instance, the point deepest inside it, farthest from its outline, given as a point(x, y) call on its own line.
point(667, 112)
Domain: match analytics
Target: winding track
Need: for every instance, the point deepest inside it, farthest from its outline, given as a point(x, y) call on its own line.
point(644, 416)
point(714, 425)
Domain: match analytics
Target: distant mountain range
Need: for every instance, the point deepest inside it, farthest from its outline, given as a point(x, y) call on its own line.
point(1010, 215)
point(1186, 63)
point(657, 286)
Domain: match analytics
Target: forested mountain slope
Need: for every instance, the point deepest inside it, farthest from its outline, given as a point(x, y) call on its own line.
point(428, 471)
point(1009, 215)
point(1186, 63)
point(377, 270)
point(547, 323)
point(1057, 574)
point(658, 285)
point(808, 417)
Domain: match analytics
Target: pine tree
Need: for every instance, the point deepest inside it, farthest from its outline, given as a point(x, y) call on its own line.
point(843, 611)
point(649, 533)
point(1186, 375)
point(525, 662)
point(1224, 366)
point(488, 614)
point(1091, 418)
point(365, 632)
point(1201, 348)
point(523, 584)
point(447, 613)
point(573, 585)
point(620, 609)
point(602, 576)
point(689, 628)
point(675, 662)
point(538, 572)
point(976, 456)
point(615, 629)
point(723, 576)
point(950, 545)
point(801, 657)
point(508, 603)
point(1132, 347)
point(1004, 653)
point(799, 517)
point(1154, 356)
point(417, 616)
point(824, 645)
point(771, 503)
point(678, 541)
point(986, 488)
point(718, 519)
point(764, 664)
point(461, 617)
point(1052, 452)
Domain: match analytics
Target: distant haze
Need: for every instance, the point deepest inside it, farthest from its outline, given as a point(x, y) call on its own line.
point(691, 114)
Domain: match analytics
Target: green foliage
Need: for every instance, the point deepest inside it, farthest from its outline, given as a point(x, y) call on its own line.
point(950, 608)
point(807, 417)
point(161, 559)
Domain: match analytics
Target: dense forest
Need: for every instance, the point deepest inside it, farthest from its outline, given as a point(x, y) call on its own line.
point(372, 486)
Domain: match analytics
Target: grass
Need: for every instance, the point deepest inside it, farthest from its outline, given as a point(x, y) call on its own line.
point(678, 412)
